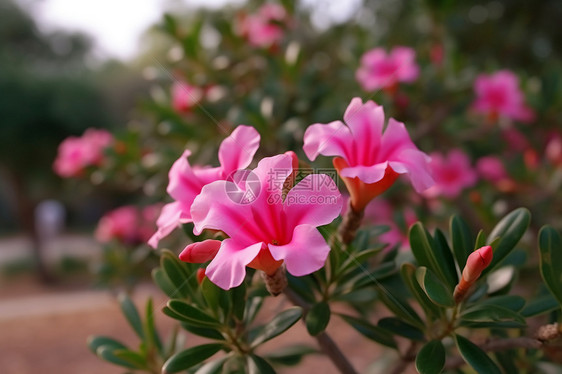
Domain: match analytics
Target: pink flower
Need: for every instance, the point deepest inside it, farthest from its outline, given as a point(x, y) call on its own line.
point(265, 231)
point(491, 168)
point(127, 225)
point(185, 96)
point(553, 150)
point(263, 29)
point(77, 153)
point(498, 95)
point(381, 70)
point(452, 174)
point(235, 152)
point(369, 160)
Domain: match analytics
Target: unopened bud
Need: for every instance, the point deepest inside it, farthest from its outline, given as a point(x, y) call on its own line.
point(200, 275)
point(475, 264)
point(200, 252)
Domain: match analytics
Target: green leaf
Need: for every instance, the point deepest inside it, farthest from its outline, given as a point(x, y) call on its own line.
point(107, 354)
point(425, 249)
point(190, 313)
point(163, 282)
point(216, 298)
point(511, 302)
point(257, 365)
point(480, 240)
point(190, 357)
point(94, 342)
point(152, 337)
point(401, 328)
point(550, 247)
point(434, 289)
point(131, 314)
point(445, 258)
point(279, 324)
point(212, 367)
point(400, 307)
point(130, 356)
point(317, 318)
point(370, 331)
point(491, 313)
point(408, 273)
point(463, 244)
point(206, 332)
point(291, 355)
point(510, 229)
point(476, 357)
point(542, 304)
point(431, 358)
point(177, 274)
point(238, 296)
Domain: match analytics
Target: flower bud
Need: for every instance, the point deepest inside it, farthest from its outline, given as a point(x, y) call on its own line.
point(200, 252)
point(200, 275)
point(475, 264)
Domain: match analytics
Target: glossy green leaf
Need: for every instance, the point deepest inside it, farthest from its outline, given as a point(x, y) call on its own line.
point(431, 358)
point(434, 288)
point(176, 273)
point(190, 313)
point(463, 243)
point(152, 337)
point(400, 307)
point(94, 342)
point(510, 229)
point(317, 318)
point(163, 282)
point(107, 354)
point(289, 356)
point(257, 365)
point(371, 331)
point(425, 249)
point(238, 300)
point(216, 298)
point(542, 304)
point(445, 258)
point(131, 314)
point(408, 273)
point(190, 357)
point(491, 313)
point(279, 324)
point(550, 249)
point(480, 240)
point(206, 332)
point(511, 302)
point(401, 328)
point(476, 357)
point(212, 367)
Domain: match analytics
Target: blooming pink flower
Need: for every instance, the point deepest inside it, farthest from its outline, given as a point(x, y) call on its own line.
point(381, 70)
point(265, 231)
point(235, 152)
point(263, 28)
point(491, 168)
point(185, 96)
point(498, 95)
point(452, 174)
point(127, 224)
point(369, 160)
point(77, 153)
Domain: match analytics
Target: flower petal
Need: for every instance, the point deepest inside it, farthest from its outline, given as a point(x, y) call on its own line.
point(315, 201)
point(306, 253)
point(228, 268)
point(169, 219)
point(238, 150)
point(366, 122)
point(332, 139)
point(414, 163)
point(367, 174)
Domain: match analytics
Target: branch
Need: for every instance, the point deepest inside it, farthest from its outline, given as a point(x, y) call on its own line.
point(326, 343)
point(498, 345)
point(407, 358)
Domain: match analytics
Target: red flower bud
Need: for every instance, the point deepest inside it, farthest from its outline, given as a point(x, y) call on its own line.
point(200, 252)
point(475, 264)
point(200, 275)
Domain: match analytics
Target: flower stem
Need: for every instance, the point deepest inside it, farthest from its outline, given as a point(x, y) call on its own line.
point(350, 224)
point(326, 343)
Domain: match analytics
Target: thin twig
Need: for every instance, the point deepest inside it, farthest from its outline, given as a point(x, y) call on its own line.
point(326, 343)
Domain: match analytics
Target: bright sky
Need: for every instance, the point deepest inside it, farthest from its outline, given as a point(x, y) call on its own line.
point(116, 25)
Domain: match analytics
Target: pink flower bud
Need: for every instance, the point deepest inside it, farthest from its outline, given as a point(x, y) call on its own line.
point(200, 252)
point(475, 264)
point(200, 275)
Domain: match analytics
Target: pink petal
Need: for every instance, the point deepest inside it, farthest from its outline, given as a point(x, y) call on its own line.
point(405, 60)
point(169, 219)
point(414, 163)
point(332, 139)
point(315, 201)
point(367, 174)
point(366, 122)
point(394, 140)
point(272, 173)
point(228, 268)
point(200, 252)
point(238, 150)
point(306, 253)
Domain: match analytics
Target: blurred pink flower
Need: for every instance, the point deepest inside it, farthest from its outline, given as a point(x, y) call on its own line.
point(127, 224)
point(515, 139)
point(266, 231)
point(491, 169)
point(77, 153)
point(452, 174)
point(498, 95)
point(553, 150)
point(185, 96)
point(264, 28)
point(381, 70)
point(235, 152)
point(369, 160)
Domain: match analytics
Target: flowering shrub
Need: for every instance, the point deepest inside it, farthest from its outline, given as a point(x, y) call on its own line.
point(267, 223)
